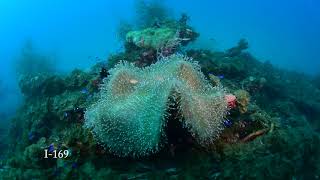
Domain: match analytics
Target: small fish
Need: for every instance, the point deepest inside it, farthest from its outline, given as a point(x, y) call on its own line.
point(65, 164)
point(133, 81)
point(84, 91)
point(74, 165)
point(220, 76)
point(59, 146)
point(227, 123)
point(95, 58)
point(30, 136)
point(56, 172)
point(77, 110)
point(51, 148)
point(66, 114)
point(104, 73)
point(185, 39)
point(89, 98)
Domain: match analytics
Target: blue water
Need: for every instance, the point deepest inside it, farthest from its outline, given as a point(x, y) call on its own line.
point(283, 32)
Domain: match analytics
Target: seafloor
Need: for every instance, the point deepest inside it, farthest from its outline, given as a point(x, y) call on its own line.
point(270, 132)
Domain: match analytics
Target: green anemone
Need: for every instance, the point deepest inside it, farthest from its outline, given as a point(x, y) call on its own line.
point(131, 114)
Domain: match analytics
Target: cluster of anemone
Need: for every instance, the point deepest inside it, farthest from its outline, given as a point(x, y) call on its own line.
point(131, 114)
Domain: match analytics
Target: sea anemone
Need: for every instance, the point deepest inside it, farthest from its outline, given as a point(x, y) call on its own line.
point(131, 115)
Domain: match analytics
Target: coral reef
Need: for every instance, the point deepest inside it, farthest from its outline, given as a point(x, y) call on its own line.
point(278, 129)
point(130, 116)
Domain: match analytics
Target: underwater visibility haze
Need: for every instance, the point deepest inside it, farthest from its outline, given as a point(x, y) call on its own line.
point(151, 89)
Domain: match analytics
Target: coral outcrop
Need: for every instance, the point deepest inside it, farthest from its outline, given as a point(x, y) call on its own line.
point(152, 37)
point(130, 116)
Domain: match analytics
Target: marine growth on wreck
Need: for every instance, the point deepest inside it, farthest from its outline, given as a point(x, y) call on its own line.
point(161, 109)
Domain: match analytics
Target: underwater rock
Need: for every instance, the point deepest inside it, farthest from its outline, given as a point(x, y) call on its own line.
point(53, 86)
point(68, 102)
point(275, 153)
point(131, 114)
point(77, 80)
point(254, 85)
point(33, 155)
point(41, 84)
point(236, 51)
point(80, 139)
point(186, 33)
